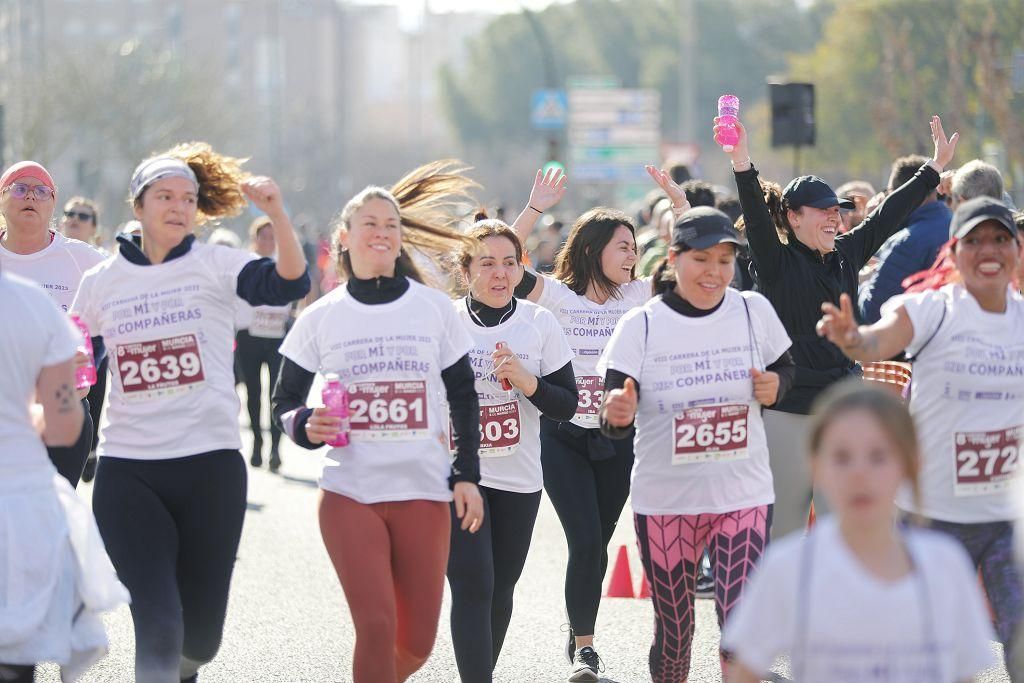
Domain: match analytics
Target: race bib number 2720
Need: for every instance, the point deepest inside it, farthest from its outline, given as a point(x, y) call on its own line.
point(986, 462)
point(161, 368)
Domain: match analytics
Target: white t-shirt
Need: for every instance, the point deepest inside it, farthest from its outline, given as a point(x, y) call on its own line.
point(509, 422)
point(390, 356)
point(169, 333)
point(968, 401)
point(700, 441)
point(266, 322)
point(58, 268)
point(812, 598)
point(588, 326)
point(34, 334)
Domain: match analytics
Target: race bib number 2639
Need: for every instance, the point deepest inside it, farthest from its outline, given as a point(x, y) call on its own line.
point(160, 368)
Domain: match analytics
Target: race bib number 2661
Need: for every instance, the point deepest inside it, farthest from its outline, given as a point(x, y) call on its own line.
point(388, 410)
point(160, 368)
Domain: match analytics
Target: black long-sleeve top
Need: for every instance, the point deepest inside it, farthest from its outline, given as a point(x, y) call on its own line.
point(797, 279)
point(556, 396)
point(616, 379)
point(294, 382)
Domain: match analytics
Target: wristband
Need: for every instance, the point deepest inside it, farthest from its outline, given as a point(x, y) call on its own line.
point(745, 161)
point(535, 209)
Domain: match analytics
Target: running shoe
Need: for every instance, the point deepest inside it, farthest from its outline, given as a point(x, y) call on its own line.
point(585, 666)
point(275, 461)
point(90, 468)
point(570, 643)
point(705, 581)
point(256, 459)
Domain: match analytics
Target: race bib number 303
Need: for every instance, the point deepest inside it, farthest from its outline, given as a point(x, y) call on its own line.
point(499, 430)
point(986, 462)
point(388, 411)
point(160, 368)
point(710, 434)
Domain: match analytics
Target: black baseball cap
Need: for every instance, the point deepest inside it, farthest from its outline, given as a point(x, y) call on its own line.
point(810, 190)
point(702, 228)
point(974, 212)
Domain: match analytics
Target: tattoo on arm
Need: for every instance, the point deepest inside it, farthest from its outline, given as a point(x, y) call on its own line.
point(65, 398)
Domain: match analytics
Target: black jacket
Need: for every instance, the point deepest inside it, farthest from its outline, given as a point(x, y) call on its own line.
point(797, 280)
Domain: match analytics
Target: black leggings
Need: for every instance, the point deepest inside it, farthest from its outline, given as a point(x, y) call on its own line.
point(171, 528)
point(252, 353)
point(483, 569)
point(588, 496)
point(17, 673)
point(96, 396)
point(70, 460)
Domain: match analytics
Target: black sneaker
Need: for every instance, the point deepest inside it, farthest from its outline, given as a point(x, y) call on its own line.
point(90, 468)
point(705, 581)
point(256, 459)
point(275, 461)
point(585, 666)
point(570, 643)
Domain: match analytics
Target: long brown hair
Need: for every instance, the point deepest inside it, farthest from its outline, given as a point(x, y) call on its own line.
point(578, 263)
point(428, 201)
point(888, 411)
point(778, 208)
point(220, 178)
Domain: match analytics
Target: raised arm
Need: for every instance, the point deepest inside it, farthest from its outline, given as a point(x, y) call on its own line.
point(766, 250)
point(266, 195)
point(548, 190)
point(881, 341)
point(864, 240)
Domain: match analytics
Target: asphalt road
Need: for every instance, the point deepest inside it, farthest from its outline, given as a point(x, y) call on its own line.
point(287, 620)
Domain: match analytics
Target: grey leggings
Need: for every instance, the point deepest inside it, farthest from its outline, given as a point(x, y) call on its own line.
point(791, 470)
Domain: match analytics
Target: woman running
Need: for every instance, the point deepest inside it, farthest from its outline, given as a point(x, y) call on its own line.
point(799, 260)
point(860, 598)
point(29, 247)
point(257, 346)
point(694, 367)
point(402, 351)
point(170, 488)
point(965, 332)
point(56, 578)
point(586, 474)
point(519, 352)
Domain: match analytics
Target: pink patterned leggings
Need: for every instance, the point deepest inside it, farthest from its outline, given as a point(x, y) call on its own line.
point(670, 550)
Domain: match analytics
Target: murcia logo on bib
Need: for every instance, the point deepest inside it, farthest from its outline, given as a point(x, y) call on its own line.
point(986, 462)
point(160, 368)
point(388, 410)
point(499, 430)
point(710, 434)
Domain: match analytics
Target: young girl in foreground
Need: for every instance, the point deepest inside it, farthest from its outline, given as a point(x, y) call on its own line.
point(873, 600)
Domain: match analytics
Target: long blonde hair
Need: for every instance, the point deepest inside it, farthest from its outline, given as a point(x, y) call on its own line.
point(428, 201)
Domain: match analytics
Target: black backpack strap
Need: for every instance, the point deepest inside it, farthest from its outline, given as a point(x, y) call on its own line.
point(928, 341)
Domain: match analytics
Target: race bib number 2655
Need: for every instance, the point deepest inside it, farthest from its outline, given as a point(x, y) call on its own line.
point(161, 368)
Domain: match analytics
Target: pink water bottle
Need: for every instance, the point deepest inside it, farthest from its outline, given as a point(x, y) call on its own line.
point(85, 376)
point(335, 397)
point(728, 113)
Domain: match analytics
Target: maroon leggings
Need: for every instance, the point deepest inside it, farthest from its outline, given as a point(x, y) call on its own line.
point(391, 559)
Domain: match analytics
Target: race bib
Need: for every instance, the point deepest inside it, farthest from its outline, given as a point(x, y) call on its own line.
point(591, 391)
point(388, 411)
point(268, 323)
point(710, 434)
point(986, 462)
point(499, 430)
point(159, 369)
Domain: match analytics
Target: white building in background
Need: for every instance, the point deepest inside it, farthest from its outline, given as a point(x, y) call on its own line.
point(331, 94)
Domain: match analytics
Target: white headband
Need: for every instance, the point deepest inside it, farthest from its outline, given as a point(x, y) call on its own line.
point(156, 168)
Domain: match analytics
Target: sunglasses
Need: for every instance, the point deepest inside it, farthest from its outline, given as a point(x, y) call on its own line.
point(80, 215)
point(21, 190)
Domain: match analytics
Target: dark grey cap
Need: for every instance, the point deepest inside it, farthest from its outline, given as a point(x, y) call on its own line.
point(702, 228)
point(974, 212)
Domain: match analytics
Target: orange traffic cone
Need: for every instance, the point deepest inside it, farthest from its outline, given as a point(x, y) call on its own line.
point(621, 583)
point(645, 588)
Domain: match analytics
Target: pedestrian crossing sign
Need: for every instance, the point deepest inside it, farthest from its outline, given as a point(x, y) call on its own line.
point(549, 109)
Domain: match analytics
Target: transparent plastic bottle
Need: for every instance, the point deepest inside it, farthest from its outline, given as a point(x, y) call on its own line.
point(728, 116)
point(85, 376)
point(505, 384)
point(335, 397)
